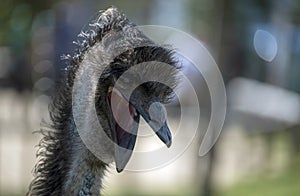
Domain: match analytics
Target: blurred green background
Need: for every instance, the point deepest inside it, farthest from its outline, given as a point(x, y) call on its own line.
point(256, 44)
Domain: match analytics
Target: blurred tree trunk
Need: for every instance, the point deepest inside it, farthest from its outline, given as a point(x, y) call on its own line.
point(227, 51)
point(220, 33)
point(207, 188)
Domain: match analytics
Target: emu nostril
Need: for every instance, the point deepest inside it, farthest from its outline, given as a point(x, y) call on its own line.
point(157, 114)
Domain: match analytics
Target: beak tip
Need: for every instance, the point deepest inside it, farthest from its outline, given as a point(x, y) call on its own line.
point(169, 144)
point(119, 170)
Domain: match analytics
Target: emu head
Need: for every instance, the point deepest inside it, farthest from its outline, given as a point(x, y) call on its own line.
point(128, 98)
point(135, 77)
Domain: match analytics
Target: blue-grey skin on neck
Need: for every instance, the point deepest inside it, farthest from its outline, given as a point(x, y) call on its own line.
point(87, 185)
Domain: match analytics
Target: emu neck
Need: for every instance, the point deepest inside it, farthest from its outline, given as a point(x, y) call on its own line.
point(85, 174)
point(84, 178)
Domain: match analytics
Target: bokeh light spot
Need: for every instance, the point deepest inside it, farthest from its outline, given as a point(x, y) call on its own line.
point(265, 45)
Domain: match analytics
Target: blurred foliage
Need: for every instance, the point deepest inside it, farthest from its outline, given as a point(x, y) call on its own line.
point(16, 17)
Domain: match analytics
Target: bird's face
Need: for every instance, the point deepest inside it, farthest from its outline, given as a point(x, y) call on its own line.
point(127, 106)
point(126, 114)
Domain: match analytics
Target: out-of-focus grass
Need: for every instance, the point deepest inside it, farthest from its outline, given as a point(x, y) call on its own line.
point(287, 183)
point(174, 192)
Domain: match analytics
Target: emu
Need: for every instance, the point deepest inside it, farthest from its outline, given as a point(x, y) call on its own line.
point(65, 166)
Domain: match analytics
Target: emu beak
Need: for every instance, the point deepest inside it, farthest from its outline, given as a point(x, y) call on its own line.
point(154, 115)
point(124, 147)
